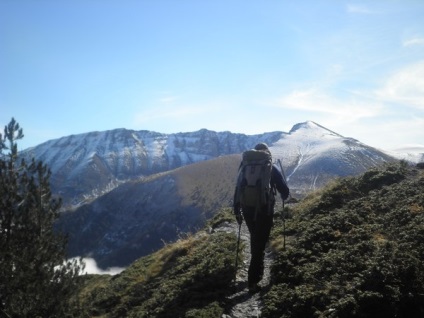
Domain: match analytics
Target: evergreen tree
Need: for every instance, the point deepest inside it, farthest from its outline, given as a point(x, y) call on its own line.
point(35, 278)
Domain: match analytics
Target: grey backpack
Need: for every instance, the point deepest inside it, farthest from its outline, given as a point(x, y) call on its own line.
point(253, 188)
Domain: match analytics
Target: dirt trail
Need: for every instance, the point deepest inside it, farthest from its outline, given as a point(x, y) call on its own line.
point(242, 304)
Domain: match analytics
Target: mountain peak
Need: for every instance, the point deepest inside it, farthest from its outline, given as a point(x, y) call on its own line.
point(312, 126)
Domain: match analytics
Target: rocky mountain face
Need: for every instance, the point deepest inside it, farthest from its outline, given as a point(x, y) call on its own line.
point(129, 192)
point(86, 165)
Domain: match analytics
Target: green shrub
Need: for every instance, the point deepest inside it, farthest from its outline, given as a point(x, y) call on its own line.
point(355, 250)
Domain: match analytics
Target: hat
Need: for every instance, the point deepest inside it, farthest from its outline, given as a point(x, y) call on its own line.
point(261, 146)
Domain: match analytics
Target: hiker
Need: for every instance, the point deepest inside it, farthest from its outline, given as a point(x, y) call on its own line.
point(258, 213)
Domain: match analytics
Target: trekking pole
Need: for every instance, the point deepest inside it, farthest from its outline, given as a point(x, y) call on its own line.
point(282, 213)
point(284, 228)
point(237, 252)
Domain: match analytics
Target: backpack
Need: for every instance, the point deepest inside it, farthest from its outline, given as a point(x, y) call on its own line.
point(254, 188)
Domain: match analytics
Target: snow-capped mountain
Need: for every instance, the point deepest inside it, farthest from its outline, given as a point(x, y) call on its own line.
point(312, 155)
point(155, 186)
point(88, 164)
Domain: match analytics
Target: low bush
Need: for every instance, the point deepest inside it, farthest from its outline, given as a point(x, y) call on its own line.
point(355, 251)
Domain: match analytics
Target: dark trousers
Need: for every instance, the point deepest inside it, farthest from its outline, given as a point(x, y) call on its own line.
point(259, 226)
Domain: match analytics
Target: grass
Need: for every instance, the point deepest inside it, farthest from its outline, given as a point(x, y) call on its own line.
point(216, 183)
point(188, 278)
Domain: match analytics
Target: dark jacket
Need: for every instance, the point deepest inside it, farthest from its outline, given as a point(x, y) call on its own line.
point(277, 181)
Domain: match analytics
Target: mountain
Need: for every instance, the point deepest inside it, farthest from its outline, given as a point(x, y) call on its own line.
point(86, 165)
point(164, 185)
point(312, 155)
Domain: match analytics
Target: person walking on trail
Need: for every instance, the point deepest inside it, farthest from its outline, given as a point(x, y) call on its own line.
point(254, 199)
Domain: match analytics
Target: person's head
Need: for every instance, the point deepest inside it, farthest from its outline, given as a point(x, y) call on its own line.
point(262, 146)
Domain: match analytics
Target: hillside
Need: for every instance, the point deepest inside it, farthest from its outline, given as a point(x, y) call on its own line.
point(354, 249)
point(136, 218)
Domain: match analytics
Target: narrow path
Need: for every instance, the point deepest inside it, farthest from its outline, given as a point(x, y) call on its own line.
point(242, 304)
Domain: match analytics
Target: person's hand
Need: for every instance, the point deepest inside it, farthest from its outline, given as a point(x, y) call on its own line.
point(292, 200)
point(283, 197)
point(239, 218)
point(237, 213)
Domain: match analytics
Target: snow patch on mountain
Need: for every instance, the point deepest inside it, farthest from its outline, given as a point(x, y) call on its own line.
point(307, 141)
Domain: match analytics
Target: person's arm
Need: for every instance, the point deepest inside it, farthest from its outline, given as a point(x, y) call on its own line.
point(280, 184)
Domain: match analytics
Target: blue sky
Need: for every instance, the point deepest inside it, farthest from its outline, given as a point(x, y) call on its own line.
point(355, 67)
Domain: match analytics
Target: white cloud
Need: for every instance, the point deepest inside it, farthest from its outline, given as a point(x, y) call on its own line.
point(413, 41)
point(397, 133)
point(384, 118)
point(314, 100)
point(386, 134)
point(92, 268)
point(406, 87)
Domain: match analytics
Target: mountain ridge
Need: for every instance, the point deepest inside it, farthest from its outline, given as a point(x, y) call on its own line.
point(106, 159)
point(136, 214)
point(115, 155)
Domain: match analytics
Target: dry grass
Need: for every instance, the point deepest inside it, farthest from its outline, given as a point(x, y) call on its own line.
point(203, 183)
